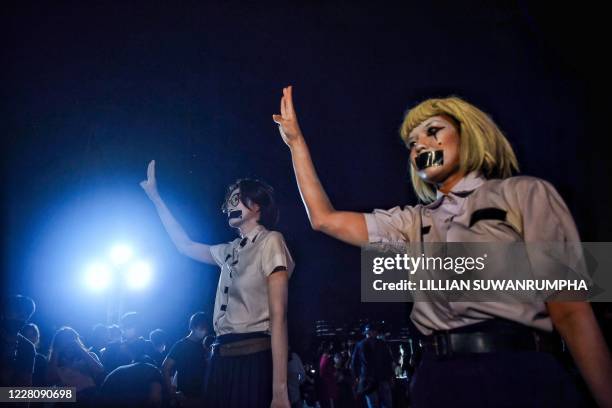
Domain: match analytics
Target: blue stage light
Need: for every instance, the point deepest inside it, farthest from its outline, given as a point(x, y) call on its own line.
point(98, 276)
point(121, 254)
point(138, 275)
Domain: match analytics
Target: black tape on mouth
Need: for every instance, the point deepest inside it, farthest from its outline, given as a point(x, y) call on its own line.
point(235, 214)
point(429, 158)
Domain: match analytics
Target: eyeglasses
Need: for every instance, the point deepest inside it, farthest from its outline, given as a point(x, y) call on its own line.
point(232, 202)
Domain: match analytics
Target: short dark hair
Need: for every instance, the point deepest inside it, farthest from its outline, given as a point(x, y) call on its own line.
point(199, 319)
point(130, 320)
point(258, 192)
point(158, 337)
point(21, 305)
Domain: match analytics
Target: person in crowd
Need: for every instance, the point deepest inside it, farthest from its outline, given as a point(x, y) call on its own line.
point(249, 362)
point(462, 169)
point(39, 377)
point(132, 347)
point(72, 365)
point(114, 333)
point(328, 387)
point(372, 366)
point(139, 384)
point(296, 376)
point(17, 354)
point(344, 379)
point(99, 339)
point(188, 359)
point(157, 343)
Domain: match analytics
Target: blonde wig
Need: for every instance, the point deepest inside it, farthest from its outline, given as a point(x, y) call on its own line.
point(483, 146)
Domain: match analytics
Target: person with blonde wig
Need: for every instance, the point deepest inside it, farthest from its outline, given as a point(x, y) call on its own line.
point(462, 169)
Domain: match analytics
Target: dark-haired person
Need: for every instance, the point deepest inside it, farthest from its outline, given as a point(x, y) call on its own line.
point(39, 377)
point(372, 366)
point(72, 365)
point(462, 169)
point(249, 363)
point(157, 344)
point(132, 347)
point(17, 354)
point(188, 358)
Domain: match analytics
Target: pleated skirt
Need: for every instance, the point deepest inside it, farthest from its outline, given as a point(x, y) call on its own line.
point(239, 381)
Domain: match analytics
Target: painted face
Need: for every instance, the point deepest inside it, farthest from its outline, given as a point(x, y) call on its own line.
point(237, 212)
point(434, 148)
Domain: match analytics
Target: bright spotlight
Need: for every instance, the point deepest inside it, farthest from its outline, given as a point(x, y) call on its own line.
point(121, 254)
point(98, 277)
point(138, 275)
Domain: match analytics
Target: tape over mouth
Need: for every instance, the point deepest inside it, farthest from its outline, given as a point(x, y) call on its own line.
point(234, 214)
point(429, 158)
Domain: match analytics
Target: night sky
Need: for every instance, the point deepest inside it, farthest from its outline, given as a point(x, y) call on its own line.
point(95, 90)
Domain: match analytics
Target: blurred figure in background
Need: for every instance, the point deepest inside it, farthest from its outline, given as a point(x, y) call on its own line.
point(132, 347)
point(17, 354)
point(157, 343)
point(114, 333)
point(99, 339)
point(296, 375)
point(373, 367)
point(72, 365)
point(39, 377)
point(187, 360)
point(134, 385)
point(328, 389)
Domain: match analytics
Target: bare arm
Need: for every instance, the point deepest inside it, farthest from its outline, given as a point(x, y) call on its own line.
point(168, 371)
point(346, 226)
point(95, 366)
point(278, 283)
point(184, 244)
point(576, 323)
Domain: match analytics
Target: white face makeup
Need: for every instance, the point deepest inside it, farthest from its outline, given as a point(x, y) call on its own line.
point(237, 212)
point(434, 148)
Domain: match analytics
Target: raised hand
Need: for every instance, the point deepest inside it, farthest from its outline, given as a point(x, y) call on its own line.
point(150, 184)
point(287, 120)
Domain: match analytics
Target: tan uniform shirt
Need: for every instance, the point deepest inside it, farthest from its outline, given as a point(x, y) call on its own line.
point(241, 303)
point(524, 209)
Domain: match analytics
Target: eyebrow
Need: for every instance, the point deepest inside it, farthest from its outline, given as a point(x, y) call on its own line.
point(431, 122)
point(411, 137)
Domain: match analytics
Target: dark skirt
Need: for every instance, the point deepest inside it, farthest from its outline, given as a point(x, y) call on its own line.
point(239, 381)
point(504, 379)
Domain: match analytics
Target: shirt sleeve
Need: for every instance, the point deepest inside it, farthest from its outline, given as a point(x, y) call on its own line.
point(219, 253)
point(546, 218)
point(275, 254)
point(175, 352)
point(392, 225)
point(552, 240)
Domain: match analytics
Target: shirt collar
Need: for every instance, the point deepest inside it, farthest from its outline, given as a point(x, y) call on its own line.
point(253, 233)
point(463, 188)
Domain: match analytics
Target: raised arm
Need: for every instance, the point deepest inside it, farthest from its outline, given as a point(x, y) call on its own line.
point(346, 226)
point(184, 244)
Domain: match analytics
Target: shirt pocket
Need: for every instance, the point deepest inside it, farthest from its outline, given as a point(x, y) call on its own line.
point(485, 225)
